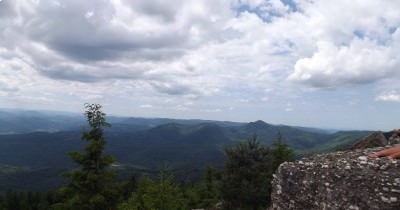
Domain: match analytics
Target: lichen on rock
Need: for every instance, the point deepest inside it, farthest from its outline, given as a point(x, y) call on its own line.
point(341, 180)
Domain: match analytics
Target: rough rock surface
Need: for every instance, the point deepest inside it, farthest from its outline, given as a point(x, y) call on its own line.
point(378, 139)
point(341, 180)
point(395, 138)
point(375, 139)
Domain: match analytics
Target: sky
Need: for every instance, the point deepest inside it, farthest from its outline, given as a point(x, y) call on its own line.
point(318, 63)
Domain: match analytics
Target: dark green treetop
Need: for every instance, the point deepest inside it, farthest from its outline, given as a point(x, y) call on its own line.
point(281, 152)
point(245, 182)
point(92, 185)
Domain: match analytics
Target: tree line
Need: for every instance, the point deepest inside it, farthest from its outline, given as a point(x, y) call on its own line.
point(243, 183)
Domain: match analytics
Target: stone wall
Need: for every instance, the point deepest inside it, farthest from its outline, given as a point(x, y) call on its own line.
point(341, 180)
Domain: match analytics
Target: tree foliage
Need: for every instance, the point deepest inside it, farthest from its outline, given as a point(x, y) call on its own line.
point(280, 152)
point(247, 175)
point(92, 185)
point(204, 194)
point(161, 194)
point(13, 200)
point(245, 180)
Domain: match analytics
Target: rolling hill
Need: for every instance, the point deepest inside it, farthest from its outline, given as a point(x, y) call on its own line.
point(38, 145)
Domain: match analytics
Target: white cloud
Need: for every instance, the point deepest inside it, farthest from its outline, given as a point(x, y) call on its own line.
point(212, 110)
point(288, 109)
point(92, 97)
point(358, 46)
point(244, 101)
point(202, 51)
point(149, 41)
point(146, 106)
point(364, 61)
point(392, 96)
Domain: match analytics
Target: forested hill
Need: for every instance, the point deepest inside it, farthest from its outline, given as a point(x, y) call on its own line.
point(22, 121)
point(43, 138)
point(42, 143)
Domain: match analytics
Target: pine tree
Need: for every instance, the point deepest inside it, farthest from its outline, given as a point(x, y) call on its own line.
point(160, 194)
point(204, 194)
point(281, 152)
point(210, 187)
point(246, 177)
point(92, 185)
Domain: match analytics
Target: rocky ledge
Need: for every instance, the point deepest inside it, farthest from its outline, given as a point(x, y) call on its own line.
point(341, 180)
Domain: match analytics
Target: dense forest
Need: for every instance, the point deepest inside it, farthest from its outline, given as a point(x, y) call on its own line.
point(243, 182)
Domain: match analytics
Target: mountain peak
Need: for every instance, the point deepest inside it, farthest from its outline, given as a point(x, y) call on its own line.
point(258, 123)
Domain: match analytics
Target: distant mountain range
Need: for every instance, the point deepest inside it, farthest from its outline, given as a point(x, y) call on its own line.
point(20, 121)
point(35, 143)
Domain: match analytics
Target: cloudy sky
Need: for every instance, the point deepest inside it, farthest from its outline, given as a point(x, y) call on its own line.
point(329, 64)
